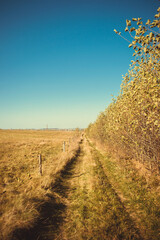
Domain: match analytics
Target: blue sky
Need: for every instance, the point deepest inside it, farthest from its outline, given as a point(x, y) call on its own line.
point(60, 61)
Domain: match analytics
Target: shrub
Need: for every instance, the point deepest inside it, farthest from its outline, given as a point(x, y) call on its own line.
point(131, 123)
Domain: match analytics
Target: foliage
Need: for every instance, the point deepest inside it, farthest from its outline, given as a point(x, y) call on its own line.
point(131, 124)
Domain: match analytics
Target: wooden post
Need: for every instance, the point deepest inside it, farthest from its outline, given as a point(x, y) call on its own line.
point(64, 146)
point(40, 164)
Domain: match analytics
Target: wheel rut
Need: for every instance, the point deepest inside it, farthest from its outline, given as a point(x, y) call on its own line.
point(94, 210)
point(82, 205)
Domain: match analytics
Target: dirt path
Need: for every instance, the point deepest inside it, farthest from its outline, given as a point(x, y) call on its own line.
point(83, 205)
point(94, 210)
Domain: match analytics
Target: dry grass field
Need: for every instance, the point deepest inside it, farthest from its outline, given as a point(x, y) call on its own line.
point(22, 188)
point(83, 193)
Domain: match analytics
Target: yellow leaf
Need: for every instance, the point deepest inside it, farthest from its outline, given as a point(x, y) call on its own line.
point(128, 22)
point(134, 19)
point(148, 22)
point(115, 31)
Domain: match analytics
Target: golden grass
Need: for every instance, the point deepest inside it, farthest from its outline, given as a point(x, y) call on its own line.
point(94, 210)
point(20, 180)
point(138, 190)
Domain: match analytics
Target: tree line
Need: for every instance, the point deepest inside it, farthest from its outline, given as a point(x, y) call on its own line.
point(130, 125)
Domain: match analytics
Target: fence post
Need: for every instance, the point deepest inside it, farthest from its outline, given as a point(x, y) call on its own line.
point(64, 146)
point(40, 164)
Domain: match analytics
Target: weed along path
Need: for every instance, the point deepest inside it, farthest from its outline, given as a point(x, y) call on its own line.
point(83, 204)
point(94, 210)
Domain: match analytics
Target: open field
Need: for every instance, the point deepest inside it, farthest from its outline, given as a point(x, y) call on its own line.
point(82, 194)
point(22, 188)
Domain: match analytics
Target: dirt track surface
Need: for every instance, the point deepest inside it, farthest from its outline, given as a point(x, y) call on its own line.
point(82, 205)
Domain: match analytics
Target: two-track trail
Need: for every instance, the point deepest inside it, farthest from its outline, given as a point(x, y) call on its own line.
point(94, 210)
point(85, 205)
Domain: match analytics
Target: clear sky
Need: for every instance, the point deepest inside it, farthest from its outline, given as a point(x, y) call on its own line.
point(60, 60)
